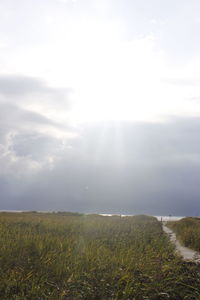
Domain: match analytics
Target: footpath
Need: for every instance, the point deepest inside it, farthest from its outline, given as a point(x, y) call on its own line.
point(187, 253)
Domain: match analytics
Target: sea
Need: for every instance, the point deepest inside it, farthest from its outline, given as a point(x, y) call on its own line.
point(163, 218)
point(160, 218)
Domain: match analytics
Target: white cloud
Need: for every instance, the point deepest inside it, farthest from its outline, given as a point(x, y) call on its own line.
point(31, 140)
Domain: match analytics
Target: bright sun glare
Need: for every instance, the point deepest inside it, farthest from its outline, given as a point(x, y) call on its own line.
point(117, 80)
point(111, 79)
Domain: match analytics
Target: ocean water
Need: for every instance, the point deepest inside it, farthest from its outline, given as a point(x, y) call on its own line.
point(163, 218)
point(169, 218)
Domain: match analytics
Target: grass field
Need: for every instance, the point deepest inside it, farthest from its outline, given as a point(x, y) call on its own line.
point(58, 256)
point(188, 232)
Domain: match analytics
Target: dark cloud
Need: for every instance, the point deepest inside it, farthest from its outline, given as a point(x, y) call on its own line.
point(23, 90)
point(35, 145)
point(30, 139)
point(119, 167)
point(110, 167)
point(14, 115)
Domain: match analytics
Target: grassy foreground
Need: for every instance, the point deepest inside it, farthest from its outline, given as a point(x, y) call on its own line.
point(55, 256)
point(188, 231)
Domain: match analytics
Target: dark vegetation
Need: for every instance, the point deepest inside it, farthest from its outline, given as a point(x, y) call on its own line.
point(58, 256)
point(188, 231)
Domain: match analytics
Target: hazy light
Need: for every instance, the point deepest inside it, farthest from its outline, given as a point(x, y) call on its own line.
point(112, 77)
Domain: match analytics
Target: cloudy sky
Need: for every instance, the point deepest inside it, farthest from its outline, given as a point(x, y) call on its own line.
point(100, 106)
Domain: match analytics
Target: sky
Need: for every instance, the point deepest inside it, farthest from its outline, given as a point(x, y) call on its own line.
point(100, 106)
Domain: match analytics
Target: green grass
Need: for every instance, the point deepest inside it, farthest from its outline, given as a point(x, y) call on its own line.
point(60, 256)
point(188, 231)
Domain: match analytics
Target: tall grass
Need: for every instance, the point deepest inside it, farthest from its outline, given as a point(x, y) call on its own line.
point(188, 231)
point(55, 256)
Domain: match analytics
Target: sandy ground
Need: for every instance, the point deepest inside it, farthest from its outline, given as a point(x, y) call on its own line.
point(186, 253)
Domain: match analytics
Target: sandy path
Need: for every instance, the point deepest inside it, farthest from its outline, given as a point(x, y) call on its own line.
point(186, 253)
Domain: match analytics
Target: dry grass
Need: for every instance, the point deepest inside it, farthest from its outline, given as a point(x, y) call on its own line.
point(188, 232)
point(55, 256)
